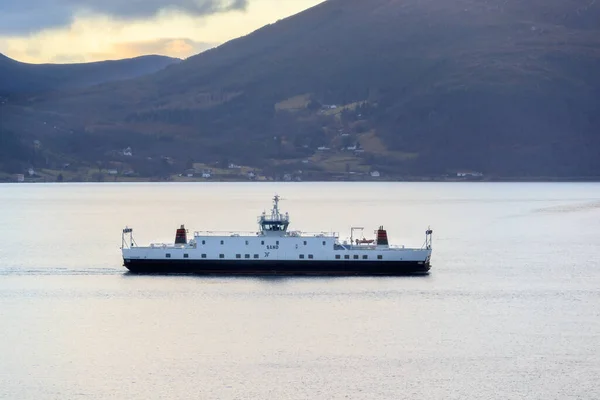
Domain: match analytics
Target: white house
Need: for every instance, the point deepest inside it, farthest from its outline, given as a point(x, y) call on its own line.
point(375, 174)
point(469, 174)
point(127, 152)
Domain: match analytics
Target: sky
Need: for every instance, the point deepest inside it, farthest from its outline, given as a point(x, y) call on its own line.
point(66, 31)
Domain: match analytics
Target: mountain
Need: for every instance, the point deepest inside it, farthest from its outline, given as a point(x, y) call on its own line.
point(18, 77)
point(412, 87)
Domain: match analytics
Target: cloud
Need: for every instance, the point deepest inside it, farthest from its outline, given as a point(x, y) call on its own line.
point(19, 17)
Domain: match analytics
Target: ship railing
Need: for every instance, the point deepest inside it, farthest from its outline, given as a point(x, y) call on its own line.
point(226, 233)
point(165, 246)
point(270, 218)
point(313, 234)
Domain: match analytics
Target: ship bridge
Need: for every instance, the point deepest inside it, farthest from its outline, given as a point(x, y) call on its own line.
point(275, 224)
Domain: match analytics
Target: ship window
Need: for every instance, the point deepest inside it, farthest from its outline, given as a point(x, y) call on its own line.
point(346, 257)
point(221, 255)
point(310, 256)
point(238, 256)
point(356, 257)
point(365, 257)
point(380, 257)
point(186, 255)
point(247, 256)
point(323, 243)
point(262, 242)
point(222, 242)
point(277, 243)
point(337, 256)
point(301, 255)
point(168, 255)
point(203, 255)
point(204, 242)
point(305, 242)
point(246, 243)
point(256, 256)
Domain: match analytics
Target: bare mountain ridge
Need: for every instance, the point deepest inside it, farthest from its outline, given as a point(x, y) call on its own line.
point(506, 87)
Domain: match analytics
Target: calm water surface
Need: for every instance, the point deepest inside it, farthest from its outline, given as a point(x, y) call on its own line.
point(511, 309)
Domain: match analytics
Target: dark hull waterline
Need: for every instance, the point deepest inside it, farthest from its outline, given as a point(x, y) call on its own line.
point(250, 267)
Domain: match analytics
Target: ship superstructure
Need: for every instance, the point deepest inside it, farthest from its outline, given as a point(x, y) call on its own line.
point(274, 249)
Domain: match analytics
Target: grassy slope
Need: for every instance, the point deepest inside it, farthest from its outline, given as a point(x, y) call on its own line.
point(17, 77)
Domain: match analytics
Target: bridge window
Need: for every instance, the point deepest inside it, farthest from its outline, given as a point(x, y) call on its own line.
point(204, 242)
point(337, 257)
point(380, 257)
point(305, 242)
point(247, 256)
point(277, 243)
point(346, 257)
point(356, 256)
point(168, 255)
point(221, 255)
point(310, 256)
point(186, 255)
point(301, 255)
point(238, 256)
point(323, 243)
point(256, 256)
point(246, 243)
point(203, 255)
point(365, 257)
point(262, 242)
point(222, 241)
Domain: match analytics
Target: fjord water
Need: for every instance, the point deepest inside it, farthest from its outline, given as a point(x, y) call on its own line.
point(510, 310)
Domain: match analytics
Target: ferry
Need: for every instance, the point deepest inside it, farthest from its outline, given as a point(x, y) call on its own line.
point(276, 250)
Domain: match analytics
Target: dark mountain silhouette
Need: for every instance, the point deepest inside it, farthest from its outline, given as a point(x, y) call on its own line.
point(18, 77)
point(505, 87)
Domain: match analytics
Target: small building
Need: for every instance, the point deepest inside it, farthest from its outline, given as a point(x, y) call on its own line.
point(127, 152)
point(234, 166)
point(112, 172)
point(31, 172)
point(20, 177)
point(375, 174)
point(469, 174)
point(251, 175)
point(322, 148)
